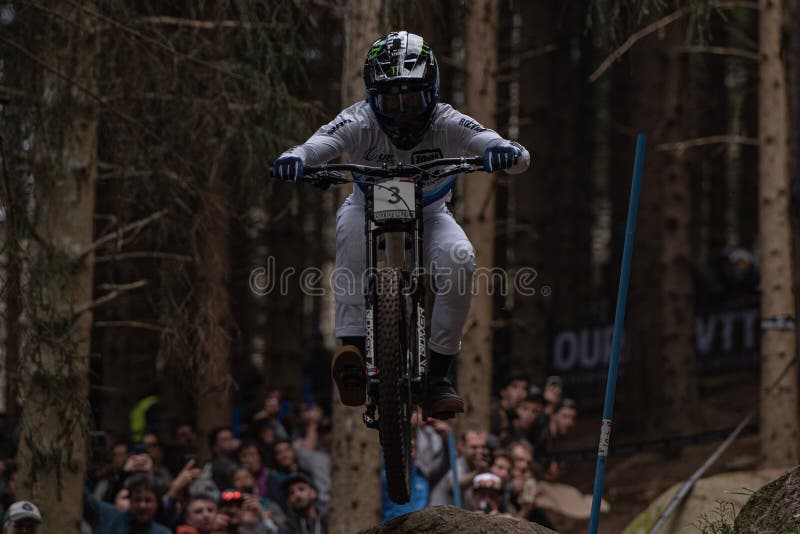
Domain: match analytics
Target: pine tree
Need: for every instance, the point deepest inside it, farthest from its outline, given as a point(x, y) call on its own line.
point(356, 455)
point(475, 360)
point(778, 422)
point(53, 373)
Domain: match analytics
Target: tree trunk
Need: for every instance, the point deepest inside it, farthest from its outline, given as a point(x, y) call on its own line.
point(356, 455)
point(13, 203)
point(778, 425)
point(213, 307)
point(678, 376)
point(54, 362)
point(286, 355)
point(528, 198)
point(475, 362)
point(663, 381)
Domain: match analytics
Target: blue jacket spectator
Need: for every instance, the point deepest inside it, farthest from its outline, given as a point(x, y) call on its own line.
point(423, 477)
point(420, 496)
point(105, 518)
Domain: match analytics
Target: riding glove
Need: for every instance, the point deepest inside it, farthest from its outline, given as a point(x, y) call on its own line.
point(499, 157)
point(288, 168)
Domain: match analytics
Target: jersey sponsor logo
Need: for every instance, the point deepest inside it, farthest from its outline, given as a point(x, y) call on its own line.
point(421, 156)
point(338, 125)
point(372, 154)
point(471, 125)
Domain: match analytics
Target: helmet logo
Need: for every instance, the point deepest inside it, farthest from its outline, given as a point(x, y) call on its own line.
point(374, 51)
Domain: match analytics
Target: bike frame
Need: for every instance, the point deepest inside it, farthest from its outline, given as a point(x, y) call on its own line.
point(392, 227)
point(394, 230)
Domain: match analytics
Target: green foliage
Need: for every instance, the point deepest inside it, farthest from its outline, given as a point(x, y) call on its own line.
point(720, 522)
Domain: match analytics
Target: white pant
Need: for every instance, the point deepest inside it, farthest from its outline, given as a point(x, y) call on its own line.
point(449, 258)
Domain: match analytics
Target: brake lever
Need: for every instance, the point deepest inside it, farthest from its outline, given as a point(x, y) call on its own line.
point(324, 179)
point(455, 169)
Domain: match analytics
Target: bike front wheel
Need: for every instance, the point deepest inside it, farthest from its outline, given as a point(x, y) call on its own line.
point(394, 393)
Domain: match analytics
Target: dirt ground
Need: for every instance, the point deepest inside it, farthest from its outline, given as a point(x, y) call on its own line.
point(633, 481)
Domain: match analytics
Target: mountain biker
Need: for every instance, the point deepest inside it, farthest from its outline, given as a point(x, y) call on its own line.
point(401, 120)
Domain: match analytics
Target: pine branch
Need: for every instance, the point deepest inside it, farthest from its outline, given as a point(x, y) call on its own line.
point(117, 290)
point(202, 24)
point(94, 96)
point(129, 324)
point(121, 256)
point(721, 51)
point(527, 54)
point(139, 35)
point(654, 27)
point(161, 97)
point(680, 146)
point(636, 37)
point(119, 234)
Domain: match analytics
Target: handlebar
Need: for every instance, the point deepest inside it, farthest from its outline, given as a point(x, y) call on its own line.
point(331, 174)
point(392, 171)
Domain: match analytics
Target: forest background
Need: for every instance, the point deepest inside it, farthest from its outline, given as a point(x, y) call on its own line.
point(136, 208)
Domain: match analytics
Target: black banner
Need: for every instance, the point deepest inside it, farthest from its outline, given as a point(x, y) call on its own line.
point(726, 340)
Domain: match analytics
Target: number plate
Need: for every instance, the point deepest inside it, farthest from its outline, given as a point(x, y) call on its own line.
point(394, 200)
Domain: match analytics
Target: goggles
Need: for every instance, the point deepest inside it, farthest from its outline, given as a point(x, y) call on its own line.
point(410, 103)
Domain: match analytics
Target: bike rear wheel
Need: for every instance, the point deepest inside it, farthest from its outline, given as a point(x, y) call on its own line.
point(394, 394)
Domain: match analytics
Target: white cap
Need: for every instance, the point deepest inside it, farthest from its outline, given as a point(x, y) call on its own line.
point(487, 481)
point(23, 510)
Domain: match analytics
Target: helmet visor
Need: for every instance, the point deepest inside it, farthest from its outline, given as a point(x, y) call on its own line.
point(396, 105)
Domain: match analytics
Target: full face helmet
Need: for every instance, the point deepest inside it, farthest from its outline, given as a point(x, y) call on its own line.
point(401, 75)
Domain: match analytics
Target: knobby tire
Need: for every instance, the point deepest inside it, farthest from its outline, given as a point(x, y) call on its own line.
point(394, 404)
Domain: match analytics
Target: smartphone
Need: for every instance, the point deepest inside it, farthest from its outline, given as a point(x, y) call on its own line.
point(140, 448)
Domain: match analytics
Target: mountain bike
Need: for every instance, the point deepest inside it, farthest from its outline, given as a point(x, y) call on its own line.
point(396, 359)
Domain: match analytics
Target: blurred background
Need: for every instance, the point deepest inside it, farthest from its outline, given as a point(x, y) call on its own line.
point(139, 226)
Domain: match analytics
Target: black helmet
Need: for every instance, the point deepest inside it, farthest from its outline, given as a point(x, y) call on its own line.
point(402, 80)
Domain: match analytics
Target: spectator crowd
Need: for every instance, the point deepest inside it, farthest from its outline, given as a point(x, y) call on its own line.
point(272, 476)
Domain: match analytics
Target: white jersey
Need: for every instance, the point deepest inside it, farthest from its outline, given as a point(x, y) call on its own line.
point(357, 133)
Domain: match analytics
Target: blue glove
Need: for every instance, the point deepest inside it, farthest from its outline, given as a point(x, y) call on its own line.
point(499, 157)
point(288, 168)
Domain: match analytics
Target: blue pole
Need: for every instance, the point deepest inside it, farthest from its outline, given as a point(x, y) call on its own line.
point(619, 320)
point(451, 451)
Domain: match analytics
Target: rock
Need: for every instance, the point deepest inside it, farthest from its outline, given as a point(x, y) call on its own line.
point(773, 508)
point(725, 492)
point(446, 519)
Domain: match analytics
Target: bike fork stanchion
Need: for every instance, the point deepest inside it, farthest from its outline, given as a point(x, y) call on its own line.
point(451, 451)
point(619, 319)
